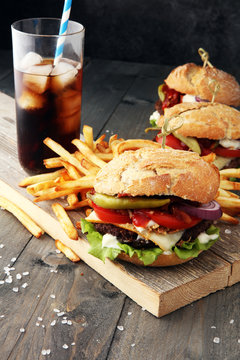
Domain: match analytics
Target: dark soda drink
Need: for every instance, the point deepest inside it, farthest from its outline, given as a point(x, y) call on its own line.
point(48, 104)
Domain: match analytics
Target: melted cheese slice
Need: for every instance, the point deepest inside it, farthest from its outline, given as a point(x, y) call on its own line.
point(164, 241)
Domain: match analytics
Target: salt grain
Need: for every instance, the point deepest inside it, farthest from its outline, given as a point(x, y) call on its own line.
point(53, 323)
point(37, 324)
point(121, 328)
point(15, 289)
point(22, 330)
point(228, 231)
point(13, 259)
point(73, 343)
point(2, 246)
point(60, 313)
point(129, 313)
point(24, 285)
point(18, 276)
point(9, 279)
point(52, 296)
point(216, 340)
point(132, 345)
point(58, 251)
point(40, 319)
point(65, 346)
point(231, 321)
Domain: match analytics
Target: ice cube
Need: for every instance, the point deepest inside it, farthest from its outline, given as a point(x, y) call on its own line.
point(31, 101)
point(63, 75)
point(36, 78)
point(68, 103)
point(30, 59)
point(69, 124)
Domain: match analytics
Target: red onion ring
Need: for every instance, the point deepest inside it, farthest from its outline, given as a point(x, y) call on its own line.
point(209, 211)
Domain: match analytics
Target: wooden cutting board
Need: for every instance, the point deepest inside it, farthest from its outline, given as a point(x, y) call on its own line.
point(158, 290)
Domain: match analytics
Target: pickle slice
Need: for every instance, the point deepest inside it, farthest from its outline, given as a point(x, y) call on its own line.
point(138, 202)
point(190, 142)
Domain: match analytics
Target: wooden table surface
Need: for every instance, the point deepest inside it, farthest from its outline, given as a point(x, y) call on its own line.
point(99, 321)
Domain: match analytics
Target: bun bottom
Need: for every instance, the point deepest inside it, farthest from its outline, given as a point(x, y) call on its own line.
point(162, 260)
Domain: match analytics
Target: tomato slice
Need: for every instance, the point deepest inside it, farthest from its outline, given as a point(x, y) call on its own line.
point(139, 219)
point(172, 142)
point(221, 151)
point(111, 216)
point(168, 220)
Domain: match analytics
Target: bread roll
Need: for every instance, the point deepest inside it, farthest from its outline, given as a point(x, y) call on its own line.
point(150, 172)
point(195, 80)
point(204, 120)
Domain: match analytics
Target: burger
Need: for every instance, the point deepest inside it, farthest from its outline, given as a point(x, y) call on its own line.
point(195, 83)
point(153, 207)
point(204, 128)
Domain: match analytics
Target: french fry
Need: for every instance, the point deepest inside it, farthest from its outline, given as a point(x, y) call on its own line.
point(104, 156)
point(230, 173)
point(69, 253)
point(33, 189)
point(227, 202)
point(229, 185)
point(57, 148)
point(103, 149)
point(72, 199)
point(78, 205)
point(76, 185)
point(52, 193)
point(88, 136)
point(65, 221)
point(133, 144)
point(21, 216)
point(225, 193)
point(52, 162)
point(39, 178)
point(229, 219)
point(86, 151)
point(83, 193)
point(72, 171)
point(93, 169)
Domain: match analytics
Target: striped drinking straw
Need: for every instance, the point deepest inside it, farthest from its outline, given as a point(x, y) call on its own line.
point(62, 31)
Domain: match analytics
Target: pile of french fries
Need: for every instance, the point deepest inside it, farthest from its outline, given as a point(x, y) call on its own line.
point(229, 200)
point(74, 174)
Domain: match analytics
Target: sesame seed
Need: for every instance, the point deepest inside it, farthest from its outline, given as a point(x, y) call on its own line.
point(228, 231)
point(56, 310)
point(73, 343)
point(65, 346)
point(25, 273)
point(213, 327)
point(216, 340)
point(53, 323)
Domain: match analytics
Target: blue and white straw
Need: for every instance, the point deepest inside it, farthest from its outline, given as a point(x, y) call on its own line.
point(63, 30)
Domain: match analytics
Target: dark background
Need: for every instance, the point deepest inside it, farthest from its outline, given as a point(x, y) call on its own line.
point(148, 31)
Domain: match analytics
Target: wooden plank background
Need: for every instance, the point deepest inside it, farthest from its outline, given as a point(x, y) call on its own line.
point(96, 307)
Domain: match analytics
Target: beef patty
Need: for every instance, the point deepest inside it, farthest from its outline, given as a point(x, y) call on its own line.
point(130, 238)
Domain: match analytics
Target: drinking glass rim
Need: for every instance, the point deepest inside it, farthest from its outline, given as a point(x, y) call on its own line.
point(46, 35)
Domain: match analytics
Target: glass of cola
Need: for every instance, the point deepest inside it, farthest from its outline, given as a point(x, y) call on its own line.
point(48, 94)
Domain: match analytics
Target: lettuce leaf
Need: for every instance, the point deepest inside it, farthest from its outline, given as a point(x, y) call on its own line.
point(191, 249)
point(153, 122)
point(147, 256)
